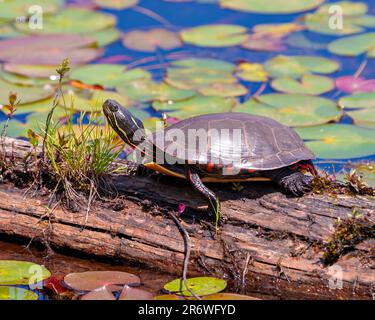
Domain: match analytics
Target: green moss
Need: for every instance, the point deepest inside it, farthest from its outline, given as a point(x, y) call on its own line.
point(348, 233)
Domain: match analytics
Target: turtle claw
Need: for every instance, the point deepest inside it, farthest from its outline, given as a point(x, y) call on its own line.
point(297, 183)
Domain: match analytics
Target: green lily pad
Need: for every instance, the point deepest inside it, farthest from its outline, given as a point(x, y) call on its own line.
point(14, 272)
point(14, 293)
point(354, 45)
point(147, 90)
point(12, 9)
point(308, 84)
point(362, 116)
point(339, 141)
point(26, 81)
point(106, 36)
point(72, 20)
point(116, 4)
point(271, 6)
point(253, 72)
point(200, 285)
point(196, 106)
point(219, 35)
point(25, 94)
point(223, 90)
point(108, 75)
point(292, 110)
point(39, 106)
point(8, 31)
point(198, 73)
point(32, 71)
point(296, 66)
point(358, 100)
point(151, 40)
point(15, 129)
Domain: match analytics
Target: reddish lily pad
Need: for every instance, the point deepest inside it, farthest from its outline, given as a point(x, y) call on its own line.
point(263, 43)
point(352, 84)
point(151, 40)
point(219, 35)
point(130, 293)
point(91, 280)
point(102, 293)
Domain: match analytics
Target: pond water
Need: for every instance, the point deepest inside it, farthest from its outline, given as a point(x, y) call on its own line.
point(270, 63)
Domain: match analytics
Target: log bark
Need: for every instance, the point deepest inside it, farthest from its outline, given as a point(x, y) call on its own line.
point(271, 243)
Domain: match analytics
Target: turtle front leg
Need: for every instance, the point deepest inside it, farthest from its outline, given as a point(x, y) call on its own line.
point(293, 181)
point(209, 195)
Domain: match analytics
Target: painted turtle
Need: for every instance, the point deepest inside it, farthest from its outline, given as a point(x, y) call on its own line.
point(249, 148)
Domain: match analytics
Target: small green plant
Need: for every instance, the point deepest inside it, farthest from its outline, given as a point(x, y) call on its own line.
point(348, 233)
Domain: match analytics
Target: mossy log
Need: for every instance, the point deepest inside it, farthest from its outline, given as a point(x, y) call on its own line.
point(272, 244)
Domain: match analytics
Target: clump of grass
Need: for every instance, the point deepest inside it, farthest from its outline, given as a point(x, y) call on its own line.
point(77, 157)
point(348, 233)
point(356, 184)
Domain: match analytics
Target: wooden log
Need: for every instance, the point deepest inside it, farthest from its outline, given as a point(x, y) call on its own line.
point(272, 243)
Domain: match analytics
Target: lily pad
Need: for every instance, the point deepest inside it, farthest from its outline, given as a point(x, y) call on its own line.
point(308, 84)
point(339, 141)
point(14, 272)
point(8, 31)
point(102, 293)
point(263, 43)
point(223, 90)
point(116, 4)
point(271, 6)
point(147, 90)
point(204, 63)
point(72, 21)
point(200, 285)
point(292, 110)
point(220, 35)
point(354, 45)
point(25, 94)
point(16, 129)
point(129, 293)
point(32, 71)
point(253, 72)
point(19, 8)
point(362, 116)
point(37, 120)
point(296, 66)
point(26, 81)
point(151, 40)
point(106, 36)
point(91, 280)
point(39, 106)
point(14, 293)
point(358, 100)
point(108, 75)
point(195, 106)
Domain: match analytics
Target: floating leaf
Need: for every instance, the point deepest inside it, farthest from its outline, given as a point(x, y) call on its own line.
point(200, 285)
point(223, 90)
point(15, 129)
point(21, 8)
point(37, 120)
point(296, 66)
point(91, 280)
point(116, 4)
point(129, 293)
point(14, 293)
point(106, 36)
point(8, 31)
point(32, 71)
point(102, 293)
point(204, 64)
point(263, 43)
point(151, 40)
point(358, 100)
point(291, 109)
point(195, 106)
point(106, 75)
point(277, 30)
point(299, 40)
point(39, 106)
point(308, 84)
point(148, 90)
point(354, 45)
point(339, 141)
point(220, 35)
point(362, 116)
point(72, 21)
point(26, 81)
point(14, 272)
point(253, 72)
point(271, 6)
point(25, 94)
point(352, 84)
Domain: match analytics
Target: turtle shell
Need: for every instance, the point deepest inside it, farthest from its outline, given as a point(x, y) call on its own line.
point(243, 140)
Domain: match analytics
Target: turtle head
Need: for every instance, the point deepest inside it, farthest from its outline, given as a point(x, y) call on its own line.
point(128, 127)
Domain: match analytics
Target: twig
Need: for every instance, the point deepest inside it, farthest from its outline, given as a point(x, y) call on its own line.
point(187, 243)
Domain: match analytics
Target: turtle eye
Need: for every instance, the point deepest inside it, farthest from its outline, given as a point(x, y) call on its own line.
point(113, 107)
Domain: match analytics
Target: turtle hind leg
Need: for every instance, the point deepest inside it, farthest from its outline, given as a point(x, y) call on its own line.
point(209, 195)
point(293, 181)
